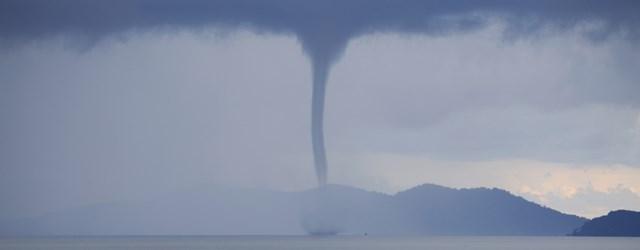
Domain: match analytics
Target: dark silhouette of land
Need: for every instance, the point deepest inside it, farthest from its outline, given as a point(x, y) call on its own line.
point(436, 210)
point(616, 223)
point(423, 210)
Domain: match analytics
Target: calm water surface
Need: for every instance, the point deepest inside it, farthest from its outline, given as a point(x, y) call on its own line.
point(340, 242)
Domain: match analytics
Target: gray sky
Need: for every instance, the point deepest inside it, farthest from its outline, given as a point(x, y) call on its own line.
point(552, 115)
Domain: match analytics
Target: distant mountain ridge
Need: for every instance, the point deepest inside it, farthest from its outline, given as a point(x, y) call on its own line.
point(423, 210)
point(615, 223)
point(482, 211)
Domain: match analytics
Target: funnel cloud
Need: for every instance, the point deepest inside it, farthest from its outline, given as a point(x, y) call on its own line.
point(320, 73)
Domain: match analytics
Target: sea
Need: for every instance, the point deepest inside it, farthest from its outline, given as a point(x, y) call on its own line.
point(318, 243)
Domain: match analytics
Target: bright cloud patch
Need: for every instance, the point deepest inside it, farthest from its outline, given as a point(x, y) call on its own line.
point(587, 190)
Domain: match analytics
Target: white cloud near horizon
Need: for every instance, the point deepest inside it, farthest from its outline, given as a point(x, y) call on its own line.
point(585, 190)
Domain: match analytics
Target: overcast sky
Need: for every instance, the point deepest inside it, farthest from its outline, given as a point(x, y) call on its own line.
point(551, 115)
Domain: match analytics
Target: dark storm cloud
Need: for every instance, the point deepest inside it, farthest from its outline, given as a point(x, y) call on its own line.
point(323, 26)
